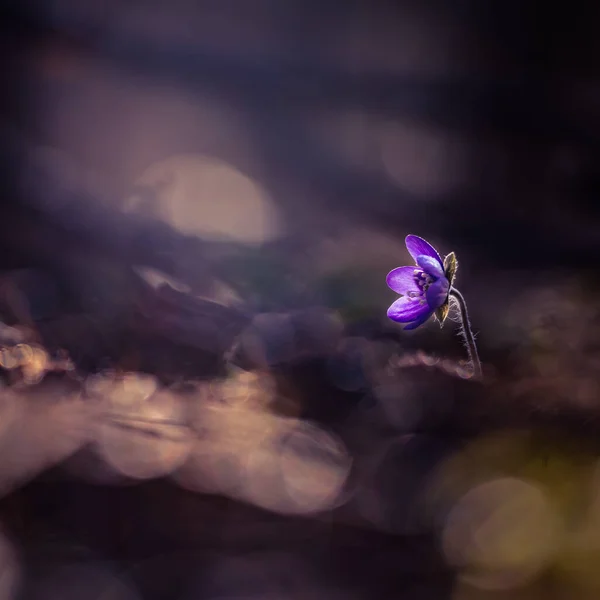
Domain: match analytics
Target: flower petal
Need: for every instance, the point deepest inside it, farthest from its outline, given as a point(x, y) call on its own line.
point(419, 321)
point(402, 280)
point(405, 310)
point(430, 266)
point(437, 294)
point(417, 246)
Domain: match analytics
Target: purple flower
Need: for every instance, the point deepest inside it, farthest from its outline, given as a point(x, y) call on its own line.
point(424, 288)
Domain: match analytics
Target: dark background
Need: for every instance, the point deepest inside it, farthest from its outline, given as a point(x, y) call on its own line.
point(473, 124)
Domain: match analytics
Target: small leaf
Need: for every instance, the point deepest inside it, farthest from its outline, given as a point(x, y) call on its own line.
point(450, 267)
point(442, 312)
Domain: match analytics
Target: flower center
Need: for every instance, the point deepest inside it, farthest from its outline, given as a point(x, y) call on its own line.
point(423, 281)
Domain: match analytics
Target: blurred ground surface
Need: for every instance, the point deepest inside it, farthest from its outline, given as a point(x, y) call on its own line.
point(202, 396)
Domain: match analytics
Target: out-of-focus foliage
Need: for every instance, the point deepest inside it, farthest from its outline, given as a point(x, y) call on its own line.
point(201, 395)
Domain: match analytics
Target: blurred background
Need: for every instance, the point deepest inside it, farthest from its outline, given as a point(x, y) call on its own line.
point(201, 396)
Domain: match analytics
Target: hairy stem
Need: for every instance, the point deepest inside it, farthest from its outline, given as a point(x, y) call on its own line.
point(467, 332)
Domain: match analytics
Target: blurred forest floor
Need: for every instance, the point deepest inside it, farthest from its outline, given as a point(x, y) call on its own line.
point(202, 396)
